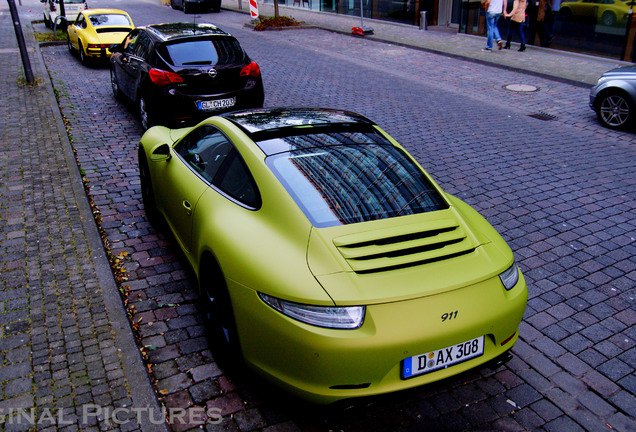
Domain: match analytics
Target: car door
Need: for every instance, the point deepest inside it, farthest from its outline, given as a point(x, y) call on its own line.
point(129, 62)
point(197, 159)
point(74, 29)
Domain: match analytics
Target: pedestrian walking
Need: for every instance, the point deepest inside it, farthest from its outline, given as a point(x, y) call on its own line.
point(494, 11)
point(517, 20)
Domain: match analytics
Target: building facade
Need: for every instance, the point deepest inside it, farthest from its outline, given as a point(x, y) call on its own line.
point(604, 28)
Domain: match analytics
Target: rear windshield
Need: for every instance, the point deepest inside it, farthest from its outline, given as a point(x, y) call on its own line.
point(219, 51)
point(109, 20)
point(344, 184)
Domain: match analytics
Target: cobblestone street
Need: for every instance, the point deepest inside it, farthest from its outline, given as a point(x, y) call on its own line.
point(561, 191)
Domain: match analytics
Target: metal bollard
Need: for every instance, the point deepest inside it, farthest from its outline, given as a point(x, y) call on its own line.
point(423, 23)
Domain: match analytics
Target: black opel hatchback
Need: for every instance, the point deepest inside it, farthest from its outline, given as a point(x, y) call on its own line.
point(181, 72)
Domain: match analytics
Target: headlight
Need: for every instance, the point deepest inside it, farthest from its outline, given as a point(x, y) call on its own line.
point(350, 317)
point(601, 80)
point(510, 277)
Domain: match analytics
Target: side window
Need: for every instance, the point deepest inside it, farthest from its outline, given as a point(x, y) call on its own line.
point(235, 180)
point(143, 46)
point(208, 152)
point(205, 149)
point(130, 43)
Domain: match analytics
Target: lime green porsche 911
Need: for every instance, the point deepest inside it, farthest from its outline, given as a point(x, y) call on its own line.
point(327, 258)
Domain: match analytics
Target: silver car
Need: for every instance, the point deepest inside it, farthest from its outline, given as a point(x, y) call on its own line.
point(613, 98)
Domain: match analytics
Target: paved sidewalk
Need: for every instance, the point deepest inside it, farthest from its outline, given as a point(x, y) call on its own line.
point(574, 68)
point(68, 357)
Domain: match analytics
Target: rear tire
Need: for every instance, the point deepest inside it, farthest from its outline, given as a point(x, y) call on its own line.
point(145, 114)
point(82, 55)
point(219, 315)
point(615, 110)
point(70, 46)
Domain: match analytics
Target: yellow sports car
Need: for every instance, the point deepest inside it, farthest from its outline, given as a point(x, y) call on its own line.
point(326, 257)
point(95, 30)
point(603, 12)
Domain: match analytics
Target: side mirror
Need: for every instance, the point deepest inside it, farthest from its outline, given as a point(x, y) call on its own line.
point(160, 152)
point(115, 48)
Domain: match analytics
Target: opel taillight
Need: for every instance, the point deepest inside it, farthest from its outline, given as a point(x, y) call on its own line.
point(161, 77)
point(252, 70)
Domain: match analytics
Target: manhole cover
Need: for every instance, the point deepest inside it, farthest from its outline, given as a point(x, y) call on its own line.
point(521, 87)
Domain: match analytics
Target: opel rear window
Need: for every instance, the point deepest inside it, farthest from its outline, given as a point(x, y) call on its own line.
point(218, 51)
point(360, 181)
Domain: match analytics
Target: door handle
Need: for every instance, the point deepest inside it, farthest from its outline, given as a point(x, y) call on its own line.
point(188, 207)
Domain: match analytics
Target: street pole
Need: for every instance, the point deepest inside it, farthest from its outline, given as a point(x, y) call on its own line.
point(630, 35)
point(363, 29)
point(62, 9)
point(28, 73)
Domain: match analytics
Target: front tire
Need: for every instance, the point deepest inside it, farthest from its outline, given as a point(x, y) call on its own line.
point(147, 194)
point(615, 110)
point(608, 18)
point(114, 85)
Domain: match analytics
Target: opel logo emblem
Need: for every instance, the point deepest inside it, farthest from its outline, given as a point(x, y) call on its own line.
point(212, 73)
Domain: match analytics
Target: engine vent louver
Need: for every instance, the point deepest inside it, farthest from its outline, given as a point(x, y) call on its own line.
point(411, 245)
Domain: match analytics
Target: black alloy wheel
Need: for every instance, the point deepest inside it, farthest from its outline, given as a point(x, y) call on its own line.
point(145, 114)
point(114, 85)
point(147, 194)
point(219, 316)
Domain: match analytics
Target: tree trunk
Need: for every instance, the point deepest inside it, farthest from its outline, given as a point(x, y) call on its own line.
point(276, 14)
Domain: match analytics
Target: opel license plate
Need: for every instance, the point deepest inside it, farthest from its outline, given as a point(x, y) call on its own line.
point(217, 104)
point(442, 358)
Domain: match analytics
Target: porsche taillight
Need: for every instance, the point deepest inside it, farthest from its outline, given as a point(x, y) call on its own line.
point(161, 77)
point(252, 70)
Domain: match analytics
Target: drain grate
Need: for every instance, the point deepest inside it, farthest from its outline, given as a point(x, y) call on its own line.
point(543, 116)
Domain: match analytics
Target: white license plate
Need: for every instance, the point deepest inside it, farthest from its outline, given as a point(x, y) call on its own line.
point(216, 104)
point(442, 358)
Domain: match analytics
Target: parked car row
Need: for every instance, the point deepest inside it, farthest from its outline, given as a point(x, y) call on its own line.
point(175, 73)
point(313, 235)
point(309, 230)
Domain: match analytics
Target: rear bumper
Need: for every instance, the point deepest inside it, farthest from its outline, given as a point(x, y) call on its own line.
point(174, 107)
point(326, 365)
point(98, 53)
